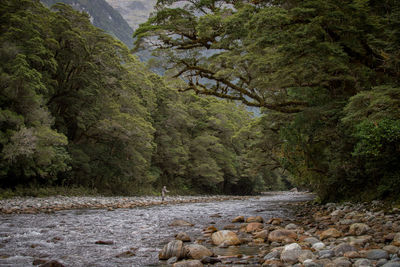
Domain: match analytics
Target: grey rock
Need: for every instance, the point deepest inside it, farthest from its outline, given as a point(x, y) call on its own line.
point(377, 254)
point(272, 255)
point(363, 263)
point(381, 262)
point(311, 240)
point(291, 253)
point(392, 264)
point(326, 254)
point(342, 262)
point(172, 260)
point(343, 248)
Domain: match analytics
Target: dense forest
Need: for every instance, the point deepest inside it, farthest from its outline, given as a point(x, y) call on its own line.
point(77, 109)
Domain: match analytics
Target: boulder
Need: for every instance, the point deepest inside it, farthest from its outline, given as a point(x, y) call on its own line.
point(180, 223)
point(225, 236)
point(331, 232)
point(258, 219)
point(188, 263)
point(172, 249)
point(183, 237)
point(358, 229)
point(196, 251)
point(281, 235)
point(253, 227)
point(238, 219)
point(291, 253)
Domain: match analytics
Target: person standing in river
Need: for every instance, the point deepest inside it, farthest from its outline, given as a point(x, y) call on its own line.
point(163, 192)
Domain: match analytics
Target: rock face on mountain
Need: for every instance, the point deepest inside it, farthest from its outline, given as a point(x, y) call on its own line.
point(103, 16)
point(134, 12)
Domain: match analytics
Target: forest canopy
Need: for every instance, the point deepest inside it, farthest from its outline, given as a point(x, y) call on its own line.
point(326, 74)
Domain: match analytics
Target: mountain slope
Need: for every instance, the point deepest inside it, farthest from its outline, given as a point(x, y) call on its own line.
point(103, 16)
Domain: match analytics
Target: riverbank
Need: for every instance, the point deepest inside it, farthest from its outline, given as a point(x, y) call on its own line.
point(31, 205)
point(361, 235)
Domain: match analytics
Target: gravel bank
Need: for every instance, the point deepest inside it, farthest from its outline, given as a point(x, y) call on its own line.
point(57, 203)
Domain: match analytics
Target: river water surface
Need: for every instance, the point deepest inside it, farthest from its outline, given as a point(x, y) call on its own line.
point(70, 236)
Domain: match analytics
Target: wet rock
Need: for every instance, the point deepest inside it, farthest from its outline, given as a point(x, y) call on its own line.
point(363, 263)
point(126, 254)
point(172, 249)
point(377, 254)
point(291, 253)
point(225, 236)
point(358, 229)
point(210, 260)
point(343, 248)
point(258, 219)
point(281, 235)
point(39, 261)
point(196, 251)
point(180, 223)
point(52, 263)
point(396, 240)
point(230, 227)
point(188, 263)
point(184, 237)
point(238, 219)
point(104, 242)
point(331, 232)
point(253, 227)
point(172, 260)
point(217, 215)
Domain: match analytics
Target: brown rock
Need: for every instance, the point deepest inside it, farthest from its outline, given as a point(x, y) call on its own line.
point(39, 261)
point(225, 236)
point(352, 254)
point(183, 237)
point(229, 227)
point(102, 242)
point(396, 240)
point(253, 227)
point(172, 249)
point(273, 263)
point(238, 219)
point(275, 221)
point(261, 234)
point(258, 219)
point(126, 254)
point(282, 235)
point(331, 232)
point(180, 223)
point(358, 229)
point(197, 252)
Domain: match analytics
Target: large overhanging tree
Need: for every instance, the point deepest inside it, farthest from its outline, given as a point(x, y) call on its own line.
point(271, 54)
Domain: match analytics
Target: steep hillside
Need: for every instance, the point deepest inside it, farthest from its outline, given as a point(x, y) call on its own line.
point(134, 12)
point(103, 16)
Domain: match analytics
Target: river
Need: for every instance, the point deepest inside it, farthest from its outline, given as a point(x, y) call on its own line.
point(70, 236)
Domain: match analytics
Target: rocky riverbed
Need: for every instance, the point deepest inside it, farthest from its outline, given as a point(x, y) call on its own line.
point(276, 229)
point(345, 235)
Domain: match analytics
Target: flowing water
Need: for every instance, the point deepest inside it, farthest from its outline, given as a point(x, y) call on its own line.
point(70, 236)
